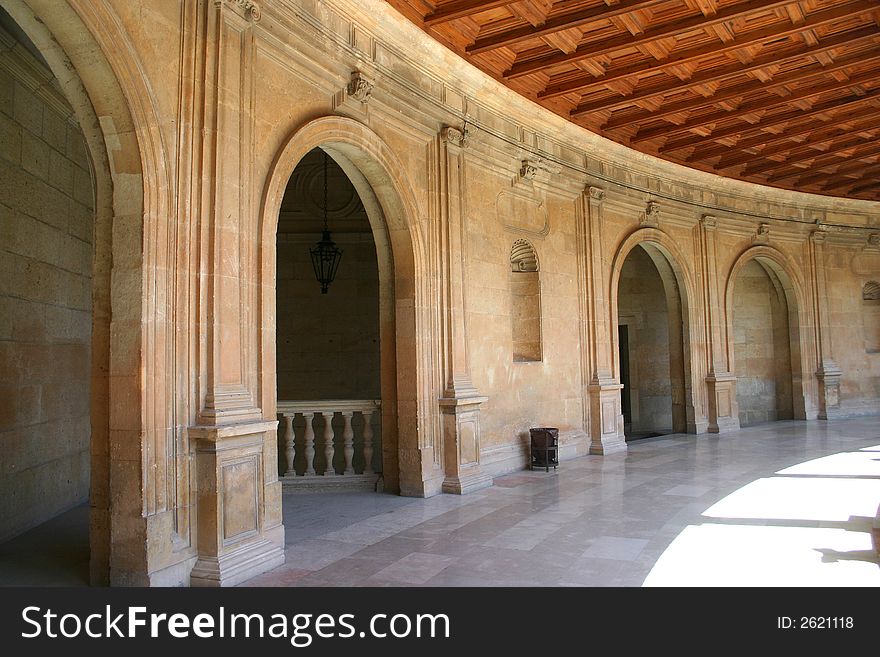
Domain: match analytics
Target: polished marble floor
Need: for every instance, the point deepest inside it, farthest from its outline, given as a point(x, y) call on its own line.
point(783, 504)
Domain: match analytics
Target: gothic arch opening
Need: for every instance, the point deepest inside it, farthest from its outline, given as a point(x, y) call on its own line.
point(652, 345)
point(765, 338)
point(328, 358)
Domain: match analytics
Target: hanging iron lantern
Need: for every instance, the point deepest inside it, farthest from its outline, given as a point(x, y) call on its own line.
point(325, 254)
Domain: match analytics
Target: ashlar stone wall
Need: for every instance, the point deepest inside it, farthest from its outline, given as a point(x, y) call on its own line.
point(761, 347)
point(46, 234)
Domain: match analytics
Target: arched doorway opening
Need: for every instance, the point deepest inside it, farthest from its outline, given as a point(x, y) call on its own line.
point(409, 379)
point(652, 344)
point(765, 340)
point(328, 358)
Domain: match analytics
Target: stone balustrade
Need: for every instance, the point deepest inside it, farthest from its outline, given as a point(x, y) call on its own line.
point(320, 451)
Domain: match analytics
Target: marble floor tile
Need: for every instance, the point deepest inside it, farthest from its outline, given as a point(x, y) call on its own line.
point(615, 547)
point(767, 504)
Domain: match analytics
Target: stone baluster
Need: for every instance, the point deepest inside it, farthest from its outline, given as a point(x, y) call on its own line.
point(309, 439)
point(368, 441)
point(289, 438)
point(348, 443)
point(328, 441)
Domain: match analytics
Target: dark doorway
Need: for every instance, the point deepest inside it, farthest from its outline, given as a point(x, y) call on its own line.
point(625, 399)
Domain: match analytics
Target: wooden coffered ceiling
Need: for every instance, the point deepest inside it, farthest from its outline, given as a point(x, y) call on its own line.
point(778, 92)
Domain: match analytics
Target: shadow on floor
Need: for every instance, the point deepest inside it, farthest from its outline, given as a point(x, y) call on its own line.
point(55, 553)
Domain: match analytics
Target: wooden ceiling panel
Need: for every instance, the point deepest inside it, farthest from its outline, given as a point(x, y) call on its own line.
point(779, 92)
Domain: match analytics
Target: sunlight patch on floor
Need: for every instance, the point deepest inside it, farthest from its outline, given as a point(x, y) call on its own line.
point(795, 498)
point(741, 555)
point(769, 548)
point(852, 464)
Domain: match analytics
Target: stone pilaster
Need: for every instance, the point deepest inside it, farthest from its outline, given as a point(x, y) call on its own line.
point(603, 390)
point(827, 372)
point(722, 409)
point(239, 506)
point(460, 404)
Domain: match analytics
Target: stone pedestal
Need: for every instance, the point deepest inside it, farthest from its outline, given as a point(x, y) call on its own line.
point(461, 440)
point(606, 419)
point(236, 539)
point(828, 376)
point(723, 410)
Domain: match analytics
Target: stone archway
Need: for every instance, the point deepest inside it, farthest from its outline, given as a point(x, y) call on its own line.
point(781, 280)
point(410, 462)
point(127, 169)
point(687, 407)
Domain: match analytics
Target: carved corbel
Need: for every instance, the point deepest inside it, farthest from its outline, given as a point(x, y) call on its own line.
point(247, 9)
point(455, 136)
point(528, 170)
point(762, 236)
point(360, 87)
point(652, 214)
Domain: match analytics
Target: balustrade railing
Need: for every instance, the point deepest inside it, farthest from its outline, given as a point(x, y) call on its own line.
point(349, 447)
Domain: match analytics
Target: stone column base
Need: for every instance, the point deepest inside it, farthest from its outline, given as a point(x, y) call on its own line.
point(828, 376)
point(606, 419)
point(239, 565)
point(467, 482)
point(461, 445)
point(239, 530)
point(723, 409)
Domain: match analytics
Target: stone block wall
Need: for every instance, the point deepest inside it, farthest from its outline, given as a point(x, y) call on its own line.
point(328, 344)
point(46, 236)
point(855, 328)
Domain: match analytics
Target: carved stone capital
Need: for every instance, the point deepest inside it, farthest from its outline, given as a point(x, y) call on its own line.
point(455, 136)
point(247, 9)
point(874, 240)
point(597, 194)
point(709, 222)
point(818, 236)
point(360, 88)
